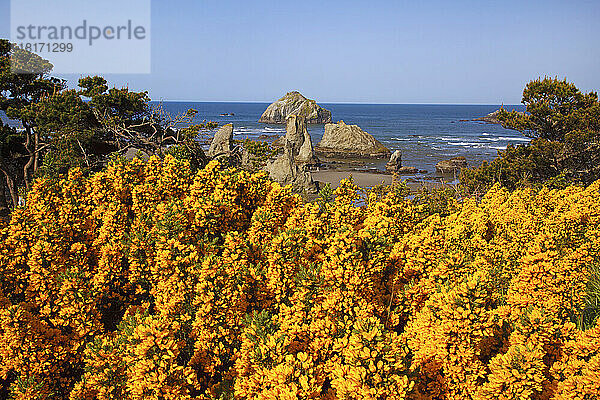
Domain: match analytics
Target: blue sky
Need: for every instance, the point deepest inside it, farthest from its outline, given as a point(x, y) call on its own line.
point(376, 51)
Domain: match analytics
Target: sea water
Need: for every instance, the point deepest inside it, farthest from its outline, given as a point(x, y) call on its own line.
point(425, 133)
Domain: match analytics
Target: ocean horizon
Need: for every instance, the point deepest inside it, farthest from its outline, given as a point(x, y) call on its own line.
point(425, 133)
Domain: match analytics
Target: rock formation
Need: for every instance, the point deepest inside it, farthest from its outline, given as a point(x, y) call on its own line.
point(294, 131)
point(290, 166)
point(299, 138)
point(349, 141)
point(451, 166)
point(409, 171)
point(395, 162)
point(394, 165)
point(222, 142)
point(295, 103)
point(279, 142)
point(492, 118)
point(285, 171)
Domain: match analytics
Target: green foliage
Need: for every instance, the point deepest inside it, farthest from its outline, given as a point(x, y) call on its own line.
point(25, 62)
point(436, 200)
point(565, 126)
point(192, 131)
point(66, 128)
point(256, 153)
point(325, 196)
point(10, 140)
point(591, 311)
point(521, 165)
point(191, 151)
point(554, 109)
point(119, 107)
point(262, 151)
point(64, 155)
point(19, 150)
point(63, 113)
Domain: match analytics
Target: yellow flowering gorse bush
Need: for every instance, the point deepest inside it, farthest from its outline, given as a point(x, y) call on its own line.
point(149, 281)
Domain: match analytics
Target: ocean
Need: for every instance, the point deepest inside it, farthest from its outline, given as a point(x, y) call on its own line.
point(425, 133)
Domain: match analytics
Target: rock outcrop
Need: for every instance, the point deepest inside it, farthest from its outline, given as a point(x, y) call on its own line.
point(290, 167)
point(451, 166)
point(409, 171)
point(294, 131)
point(294, 103)
point(395, 162)
point(285, 171)
point(349, 141)
point(298, 136)
point(492, 118)
point(222, 142)
point(394, 165)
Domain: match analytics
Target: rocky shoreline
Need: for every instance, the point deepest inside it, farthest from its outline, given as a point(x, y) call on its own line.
point(491, 118)
point(345, 150)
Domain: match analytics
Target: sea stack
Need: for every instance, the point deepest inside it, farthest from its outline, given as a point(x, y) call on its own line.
point(222, 142)
point(395, 162)
point(286, 171)
point(294, 103)
point(299, 138)
point(451, 166)
point(349, 141)
point(290, 166)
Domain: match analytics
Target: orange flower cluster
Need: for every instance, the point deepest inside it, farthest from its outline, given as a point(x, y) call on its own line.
point(149, 281)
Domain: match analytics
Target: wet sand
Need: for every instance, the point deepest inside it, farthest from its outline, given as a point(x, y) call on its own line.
point(362, 179)
point(366, 179)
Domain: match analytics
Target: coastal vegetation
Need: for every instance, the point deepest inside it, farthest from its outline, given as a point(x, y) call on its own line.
point(149, 280)
point(62, 128)
point(173, 276)
point(564, 124)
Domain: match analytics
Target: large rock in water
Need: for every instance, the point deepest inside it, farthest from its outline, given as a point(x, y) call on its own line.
point(349, 141)
point(451, 166)
point(295, 103)
point(222, 142)
point(395, 162)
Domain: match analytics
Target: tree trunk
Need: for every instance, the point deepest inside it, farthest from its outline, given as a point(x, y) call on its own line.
point(12, 188)
point(29, 163)
point(36, 159)
point(4, 210)
point(10, 183)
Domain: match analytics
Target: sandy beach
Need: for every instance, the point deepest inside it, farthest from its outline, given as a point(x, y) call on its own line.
point(366, 179)
point(362, 179)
